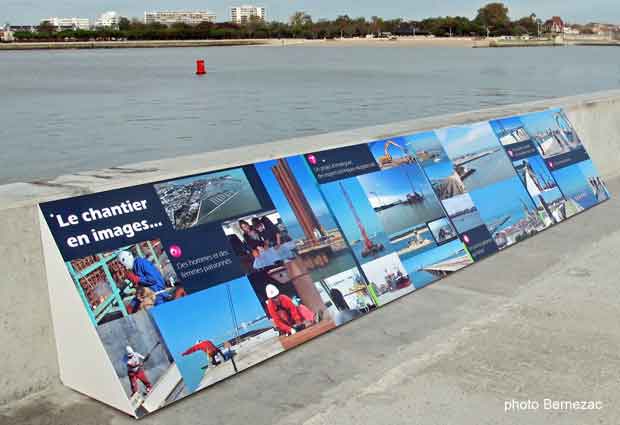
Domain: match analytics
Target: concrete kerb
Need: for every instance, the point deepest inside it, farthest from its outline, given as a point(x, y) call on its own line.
point(24, 309)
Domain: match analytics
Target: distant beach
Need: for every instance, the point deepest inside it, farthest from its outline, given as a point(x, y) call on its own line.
point(336, 42)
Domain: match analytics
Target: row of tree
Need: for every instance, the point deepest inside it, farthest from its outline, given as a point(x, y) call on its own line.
point(492, 19)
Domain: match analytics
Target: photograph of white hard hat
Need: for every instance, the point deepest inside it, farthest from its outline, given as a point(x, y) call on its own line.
point(126, 259)
point(272, 291)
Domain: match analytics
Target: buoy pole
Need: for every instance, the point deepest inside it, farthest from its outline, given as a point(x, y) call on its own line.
point(200, 67)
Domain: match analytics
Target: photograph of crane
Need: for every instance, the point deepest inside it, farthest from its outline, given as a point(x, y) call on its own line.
point(391, 153)
point(405, 202)
point(357, 219)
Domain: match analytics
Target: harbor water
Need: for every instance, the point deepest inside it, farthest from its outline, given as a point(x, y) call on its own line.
point(68, 111)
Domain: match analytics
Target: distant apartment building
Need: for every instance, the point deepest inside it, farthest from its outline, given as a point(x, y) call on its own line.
point(108, 19)
point(6, 35)
point(554, 25)
point(22, 28)
point(169, 17)
point(68, 23)
point(243, 14)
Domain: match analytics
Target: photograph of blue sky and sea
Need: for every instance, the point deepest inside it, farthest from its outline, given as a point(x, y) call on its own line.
point(214, 333)
point(357, 218)
point(579, 190)
point(542, 187)
point(295, 193)
point(476, 154)
point(556, 139)
point(405, 202)
point(589, 171)
point(207, 198)
point(435, 264)
point(463, 213)
point(508, 212)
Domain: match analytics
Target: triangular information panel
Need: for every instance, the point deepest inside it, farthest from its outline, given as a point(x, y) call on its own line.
point(163, 289)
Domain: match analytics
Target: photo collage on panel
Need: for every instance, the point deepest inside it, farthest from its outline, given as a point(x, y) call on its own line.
point(566, 159)
point(390, 216)
point(505, 207)
point(221, 327)
point(450, 179)
point(143, 297)
point(228, 268)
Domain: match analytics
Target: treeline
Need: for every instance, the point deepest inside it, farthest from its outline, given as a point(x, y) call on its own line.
point(491, 19)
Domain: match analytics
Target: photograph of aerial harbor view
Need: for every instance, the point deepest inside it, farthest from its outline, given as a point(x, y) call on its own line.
point(388, 278)
point(357, 218)
point(300, 204)
point(463, 213)
point(207, 198)
point(542, 187)
point(404, 201)
point(476, 154)
point(214, 333)
point(552, 133)
point(508, 212)
point(437, 263)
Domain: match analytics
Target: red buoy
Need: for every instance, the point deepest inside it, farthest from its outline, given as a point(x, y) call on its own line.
point(200, 67)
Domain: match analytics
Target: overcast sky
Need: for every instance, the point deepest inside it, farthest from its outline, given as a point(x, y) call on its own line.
point(32, 11)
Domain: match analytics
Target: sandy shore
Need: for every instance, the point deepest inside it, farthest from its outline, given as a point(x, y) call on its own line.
point(346, 42)
point(399, 42)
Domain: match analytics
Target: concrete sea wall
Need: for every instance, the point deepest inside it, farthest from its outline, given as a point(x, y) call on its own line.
point(26, 336)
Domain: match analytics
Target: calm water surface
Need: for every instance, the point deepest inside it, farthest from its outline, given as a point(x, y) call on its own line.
point(70, 111)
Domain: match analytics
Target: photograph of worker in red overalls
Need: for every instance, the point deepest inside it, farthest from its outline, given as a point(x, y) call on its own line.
point(287, 316)
point(135, 370)
point(210, 349)
point(141, 272)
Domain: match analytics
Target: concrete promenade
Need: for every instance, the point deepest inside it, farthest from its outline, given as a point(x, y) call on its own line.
point(539, 320)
